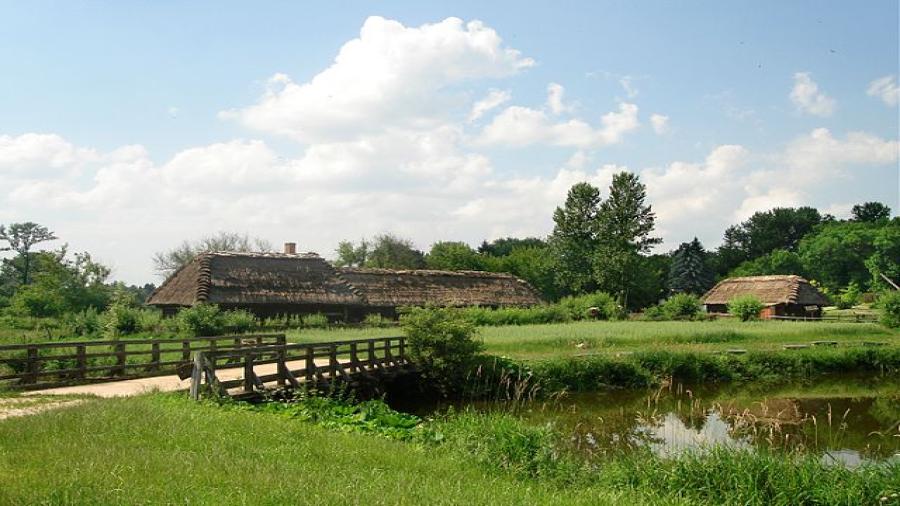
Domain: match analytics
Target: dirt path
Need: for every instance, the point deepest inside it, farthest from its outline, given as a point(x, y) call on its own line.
point(139, 386)
point(23, 406)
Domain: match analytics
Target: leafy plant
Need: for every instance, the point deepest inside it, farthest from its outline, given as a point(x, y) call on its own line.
point(201, 320)
point(238, 320)
point(745, 307)
point(681, 306)
point(579, 307)
point(442, 343)
point(315, 321)
point(849, 296)
point(889, 302)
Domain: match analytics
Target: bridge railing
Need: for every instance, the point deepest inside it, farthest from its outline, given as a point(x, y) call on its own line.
point(295, 363)
point(61, 363)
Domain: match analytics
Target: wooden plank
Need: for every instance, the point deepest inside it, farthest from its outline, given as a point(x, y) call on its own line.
point(31, 365)
point(248, 372)
point(120, 358)
point(154, 356)
point(81, 361)
point(195, 376)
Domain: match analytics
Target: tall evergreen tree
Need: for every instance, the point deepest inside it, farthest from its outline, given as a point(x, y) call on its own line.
point(625, 224)
point(689, 272)
point(575, 238)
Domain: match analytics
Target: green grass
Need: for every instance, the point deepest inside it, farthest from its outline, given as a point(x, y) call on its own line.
point(162, 449)
point(612, 337)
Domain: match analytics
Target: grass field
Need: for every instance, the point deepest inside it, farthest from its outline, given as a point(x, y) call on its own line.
point(164, 449)
point(160, 449)
point(611, 337)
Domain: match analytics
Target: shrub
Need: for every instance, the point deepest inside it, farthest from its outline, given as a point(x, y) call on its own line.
point(37, 301)
point(514, 315)
point(376, 320)
point(315, 321)
point(201, 320)
point(889, 302)
point(849, 296)
point(150, 320)
point(745, 307)
point(653, 313)
point(238, 320)
point(579, 306)
point(121, 317)
point(85, 323)
point(442, 342)
point(682, 306)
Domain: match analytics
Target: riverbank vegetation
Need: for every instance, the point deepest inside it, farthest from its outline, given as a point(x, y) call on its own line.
point(163, 448)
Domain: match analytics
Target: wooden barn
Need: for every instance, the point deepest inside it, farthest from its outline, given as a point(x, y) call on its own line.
point(269, 284)
point(781, 295)
point(385, 290)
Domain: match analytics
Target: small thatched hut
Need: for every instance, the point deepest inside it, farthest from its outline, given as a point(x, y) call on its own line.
point(782, 295)
point(266, 284)
point(270, 284)
point(385, 290)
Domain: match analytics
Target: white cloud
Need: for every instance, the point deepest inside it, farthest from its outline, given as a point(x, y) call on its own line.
point(819, 154)
point(521, 126)
point(660, 123)
point(628, 86)
point(555, 94)
point(808, 99)
point(886, 89)
point(494, 98)
point(391, 76)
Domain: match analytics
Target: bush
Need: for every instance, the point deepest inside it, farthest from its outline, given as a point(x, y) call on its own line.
point(238, 321)
point(889, 302)
point(378, 321)
point(682, 306)
point(87, 323)
point(120, 318)
point(579, 306)
point(315, 321)
point(442, 343)
point(849, 296)
point(653, 313)
point(514, 315)
point(745, 307)
point(201, 320)
point(36, 301)
point(150, 320)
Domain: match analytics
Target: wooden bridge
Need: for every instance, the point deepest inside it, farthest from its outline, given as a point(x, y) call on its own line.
point(237, 365)
point(291, 365)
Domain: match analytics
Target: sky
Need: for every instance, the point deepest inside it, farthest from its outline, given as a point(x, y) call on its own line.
point(128, 127)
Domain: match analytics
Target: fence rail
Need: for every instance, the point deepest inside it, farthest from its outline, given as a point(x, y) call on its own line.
point(295, 363)
point(46, 365)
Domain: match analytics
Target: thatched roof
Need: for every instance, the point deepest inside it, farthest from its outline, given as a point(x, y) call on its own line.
point(769, 290)
point(255, 278)
point(276, 278)
point(390, 288)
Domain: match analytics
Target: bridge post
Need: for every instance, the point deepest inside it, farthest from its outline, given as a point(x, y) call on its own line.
point(81, 360)
point(196, 375)
point(310, 364)
point(354, 358)
point(248, 372)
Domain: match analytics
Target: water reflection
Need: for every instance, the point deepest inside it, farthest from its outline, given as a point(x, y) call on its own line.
point(845, 420)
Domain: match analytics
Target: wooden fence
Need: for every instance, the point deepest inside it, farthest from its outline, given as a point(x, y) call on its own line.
point(296, 363)
point(46, 365)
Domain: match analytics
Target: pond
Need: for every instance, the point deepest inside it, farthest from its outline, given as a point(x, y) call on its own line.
point(848, 420)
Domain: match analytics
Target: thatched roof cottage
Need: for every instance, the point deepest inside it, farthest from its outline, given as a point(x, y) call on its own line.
point(288, 283)
point(385, 290)
point(782, 295)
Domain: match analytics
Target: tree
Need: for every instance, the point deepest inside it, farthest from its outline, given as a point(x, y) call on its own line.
point(21, 237)
point(392, 252)
point(778, 261)
point(62, 284)
point(167, 262)
point(870, 212)
point(690, 271)
point(885, 257)
point(350, 255)
point(504, 246)
point(574, 239)
point(625, 224)
point(764, 232)
point(535, 264)
point(453, 256)
point(836, 254)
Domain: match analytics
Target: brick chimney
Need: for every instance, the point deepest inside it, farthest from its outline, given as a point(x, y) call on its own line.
point(290, 248)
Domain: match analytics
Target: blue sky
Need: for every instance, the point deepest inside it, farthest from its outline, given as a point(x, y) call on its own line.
point(129, 126)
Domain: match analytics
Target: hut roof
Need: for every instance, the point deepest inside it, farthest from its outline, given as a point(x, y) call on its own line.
point(390, 288)
point(769, 290)
point(255, 278)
